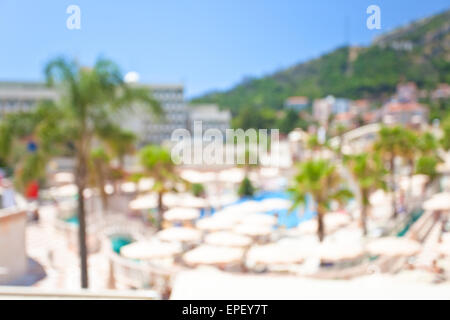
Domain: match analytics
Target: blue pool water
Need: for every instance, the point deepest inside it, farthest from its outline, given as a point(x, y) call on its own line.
point(118, 242)
point(72, 220)
point(285, 218)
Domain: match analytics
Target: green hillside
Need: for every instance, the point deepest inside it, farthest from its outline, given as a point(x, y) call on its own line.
point(418, 52)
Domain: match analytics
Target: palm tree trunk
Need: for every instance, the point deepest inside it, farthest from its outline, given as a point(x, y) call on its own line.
point(392, 176)
point(364, 213)
point(409, 196)
point(320, 225)
point(104, 197)
point(81, 184)
point(364, 219)
point(160, 211)
point(103, 194)
point(122, 162)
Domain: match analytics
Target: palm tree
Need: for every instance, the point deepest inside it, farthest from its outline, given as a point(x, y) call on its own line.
point(158, 164)
point(198, 190)
point(340, 130)
point(314, 144)
point(427, 165)
point(388, 145)
point(246, 188)
point(409, 147)
point(18, 146)
point(100, 172)
point(90, 98)
point(428, 157)
point(319, 179)
point(445, 141)
point(428, 144)
point(368, 171)
point(119, 142)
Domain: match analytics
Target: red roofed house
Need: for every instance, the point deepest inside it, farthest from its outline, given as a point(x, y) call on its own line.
point(360, 106)
point(346, 119)
point(371, 117)
point(441, 92)
point(405, 113)
point(296, 103)
point(407, 92)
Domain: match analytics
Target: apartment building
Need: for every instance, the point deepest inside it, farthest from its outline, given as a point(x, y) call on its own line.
point(23, 96)
point(210, 116)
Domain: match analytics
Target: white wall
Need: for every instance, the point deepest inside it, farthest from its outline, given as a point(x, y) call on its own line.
point(13, 261)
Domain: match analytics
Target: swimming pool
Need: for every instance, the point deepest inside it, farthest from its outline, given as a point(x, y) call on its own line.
point(72, 220)
point(119, 241)
point(285, 218)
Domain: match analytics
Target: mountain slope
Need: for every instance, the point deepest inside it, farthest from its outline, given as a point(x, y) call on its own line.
point(418, 52)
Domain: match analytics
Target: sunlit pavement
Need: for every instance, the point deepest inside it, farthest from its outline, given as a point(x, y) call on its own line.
point(49, 247)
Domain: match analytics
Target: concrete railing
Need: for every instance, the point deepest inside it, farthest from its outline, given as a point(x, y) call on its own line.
point(127, 273)
point(24, 293)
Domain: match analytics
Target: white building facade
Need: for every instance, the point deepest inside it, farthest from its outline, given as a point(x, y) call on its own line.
point(156, 129)
point(210, 116)
point(23, 96)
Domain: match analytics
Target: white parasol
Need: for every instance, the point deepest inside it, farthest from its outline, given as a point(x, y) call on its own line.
point(213, 255)
point(64, 177)
point(275, 204)
point(253, 230)
point(394, 247)
point(215, 224)
point(145, 250)
point(179, 235)
point(439, 202)
point(227, 239)
point(148, 201)
point(250, 206)
point(335, 252)
point(259, 219)
point(276, 254)
point(181, 214)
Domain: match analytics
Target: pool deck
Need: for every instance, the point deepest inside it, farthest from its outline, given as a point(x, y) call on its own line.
point(49, 248)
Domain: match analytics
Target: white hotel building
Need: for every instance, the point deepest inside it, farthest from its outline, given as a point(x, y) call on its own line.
point(151, 129)
point(23, 96)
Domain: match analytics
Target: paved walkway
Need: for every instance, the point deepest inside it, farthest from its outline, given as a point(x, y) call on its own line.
point(49, 247)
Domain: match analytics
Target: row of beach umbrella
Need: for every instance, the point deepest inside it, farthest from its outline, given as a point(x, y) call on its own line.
point(227, 248)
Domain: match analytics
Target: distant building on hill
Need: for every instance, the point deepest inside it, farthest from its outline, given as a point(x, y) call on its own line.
point(322, 110)
point(296, 103)
point(441, 92)
point(371, 116)
point(341, 105)
point(346, 119)
point(404, 113)
point(407, 92)
point(359, 107)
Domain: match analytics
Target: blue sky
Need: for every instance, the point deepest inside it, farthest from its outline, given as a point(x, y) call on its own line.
point(205, 44)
